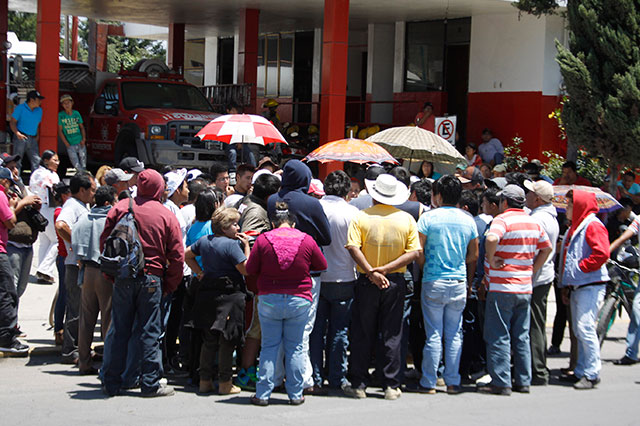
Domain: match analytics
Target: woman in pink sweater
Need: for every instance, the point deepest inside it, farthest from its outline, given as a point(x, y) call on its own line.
point(282, 259)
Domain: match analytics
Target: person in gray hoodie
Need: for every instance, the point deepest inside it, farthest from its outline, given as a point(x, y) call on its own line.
point(538, 199)
point(96, 290)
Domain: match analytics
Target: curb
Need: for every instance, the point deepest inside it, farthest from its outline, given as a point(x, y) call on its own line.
point(34, 351)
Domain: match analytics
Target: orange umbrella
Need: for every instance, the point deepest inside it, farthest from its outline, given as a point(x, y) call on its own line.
point(354, 150)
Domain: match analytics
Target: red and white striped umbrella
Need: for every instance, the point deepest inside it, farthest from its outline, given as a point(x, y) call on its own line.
point(241, 128)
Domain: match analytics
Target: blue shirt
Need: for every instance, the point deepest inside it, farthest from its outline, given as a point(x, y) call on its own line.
point(197, 231)
point(634, 190)
point(449, 231)
point(28, 119)
point(220, 255)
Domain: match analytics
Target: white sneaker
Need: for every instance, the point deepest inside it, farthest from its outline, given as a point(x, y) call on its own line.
point(391, 394)
point(354, 392)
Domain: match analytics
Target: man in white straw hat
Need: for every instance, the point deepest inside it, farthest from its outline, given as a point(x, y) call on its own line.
point(382, 240)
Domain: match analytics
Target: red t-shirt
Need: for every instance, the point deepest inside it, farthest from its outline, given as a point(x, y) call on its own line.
point(579, 181)
point(62, 250)
point(429, 124)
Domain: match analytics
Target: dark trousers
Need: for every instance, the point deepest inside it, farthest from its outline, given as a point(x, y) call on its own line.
point(213, 342)
point(135, 300)
point(375, 312)
point(72, 312)
point(560, 320)
point(537, 332)
point(174, 325)
point(8, 302)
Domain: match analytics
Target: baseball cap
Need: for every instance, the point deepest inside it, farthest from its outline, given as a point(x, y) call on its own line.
point(131, 164)
point(541, 188)
point(34, 94)
point(500, 168)
point(116, 175)
point(6, 174)
point(65, 97)
point(476, 177)
point(5, 158)
point(513, 192)
point(175, 179)
point(316, 187)
point(193, 174)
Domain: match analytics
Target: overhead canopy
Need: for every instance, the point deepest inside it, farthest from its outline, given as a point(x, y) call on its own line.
point(220, 17)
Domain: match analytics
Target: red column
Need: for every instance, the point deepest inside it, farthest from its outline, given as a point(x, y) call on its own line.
point(333, 94)
point(4, 12)
point(47, 70)
point(175, 50)
point(248, 53)
point(74, 38)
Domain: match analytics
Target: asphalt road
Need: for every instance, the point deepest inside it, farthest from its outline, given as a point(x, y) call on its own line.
point(38, 390)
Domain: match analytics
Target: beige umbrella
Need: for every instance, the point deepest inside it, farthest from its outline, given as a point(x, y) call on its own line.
point(414, 143)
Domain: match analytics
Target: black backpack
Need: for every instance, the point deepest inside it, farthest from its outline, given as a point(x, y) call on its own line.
point(122, 257)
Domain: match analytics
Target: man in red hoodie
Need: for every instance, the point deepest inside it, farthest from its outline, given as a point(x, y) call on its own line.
point(585, 252)
point(139, 298)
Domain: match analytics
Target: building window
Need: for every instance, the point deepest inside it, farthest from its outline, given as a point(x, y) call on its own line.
point(275, 65)
point(425, 52)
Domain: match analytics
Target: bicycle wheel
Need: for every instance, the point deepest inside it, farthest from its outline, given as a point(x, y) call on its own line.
point(606, 316)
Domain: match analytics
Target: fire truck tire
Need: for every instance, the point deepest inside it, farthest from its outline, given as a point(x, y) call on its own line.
point(125, 146)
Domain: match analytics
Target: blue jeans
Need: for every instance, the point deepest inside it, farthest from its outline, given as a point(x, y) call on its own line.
point(283, 318)
point(308, 328)
point(78, 156)
point(135, 300)
point(443, 302)
point(633, 334)
point(330, 332)
point(506, 327)
point(584, 309)
point(131, 375)
point(232, 153)
point(28, 146)
point(20, 259)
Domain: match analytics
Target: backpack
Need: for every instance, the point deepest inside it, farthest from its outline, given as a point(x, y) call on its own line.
point(122, 257)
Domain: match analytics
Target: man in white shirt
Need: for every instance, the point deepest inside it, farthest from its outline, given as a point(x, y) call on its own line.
point(83, 189)
point(538, 199)
point(336, 291)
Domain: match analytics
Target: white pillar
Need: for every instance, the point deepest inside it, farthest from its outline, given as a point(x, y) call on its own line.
point(210, 61)
point(398, 57)
point(316, 78)
point(380, 70)
point(236, 50)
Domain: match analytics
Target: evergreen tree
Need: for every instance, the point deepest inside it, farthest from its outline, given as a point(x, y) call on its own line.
point(601, 71)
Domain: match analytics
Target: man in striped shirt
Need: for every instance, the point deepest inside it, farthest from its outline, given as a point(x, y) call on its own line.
point(516, 248)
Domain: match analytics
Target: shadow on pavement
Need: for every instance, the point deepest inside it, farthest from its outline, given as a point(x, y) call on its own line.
point(88, 395)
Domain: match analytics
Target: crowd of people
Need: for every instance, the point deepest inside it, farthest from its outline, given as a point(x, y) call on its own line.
point(285, 282)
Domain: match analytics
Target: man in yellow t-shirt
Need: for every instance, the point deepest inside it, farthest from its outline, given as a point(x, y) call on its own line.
point(382, 240)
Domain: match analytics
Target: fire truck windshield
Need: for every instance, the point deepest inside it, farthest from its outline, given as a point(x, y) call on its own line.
point(163, 95)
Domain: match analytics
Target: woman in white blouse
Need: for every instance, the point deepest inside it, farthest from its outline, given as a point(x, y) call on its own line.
point(41, 184)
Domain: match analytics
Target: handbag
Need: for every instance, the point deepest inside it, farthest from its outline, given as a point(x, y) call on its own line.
point(35, 219)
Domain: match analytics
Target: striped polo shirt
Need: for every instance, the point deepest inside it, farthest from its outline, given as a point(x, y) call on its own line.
point(519, 239)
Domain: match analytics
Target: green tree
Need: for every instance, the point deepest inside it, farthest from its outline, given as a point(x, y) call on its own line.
point(601, 71)
point(23, 24)
point(125, 52)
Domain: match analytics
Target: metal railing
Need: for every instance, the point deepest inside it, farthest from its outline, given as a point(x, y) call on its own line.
point(224, 94)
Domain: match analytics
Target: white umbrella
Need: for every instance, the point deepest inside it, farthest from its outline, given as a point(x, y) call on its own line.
point(414, 143)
